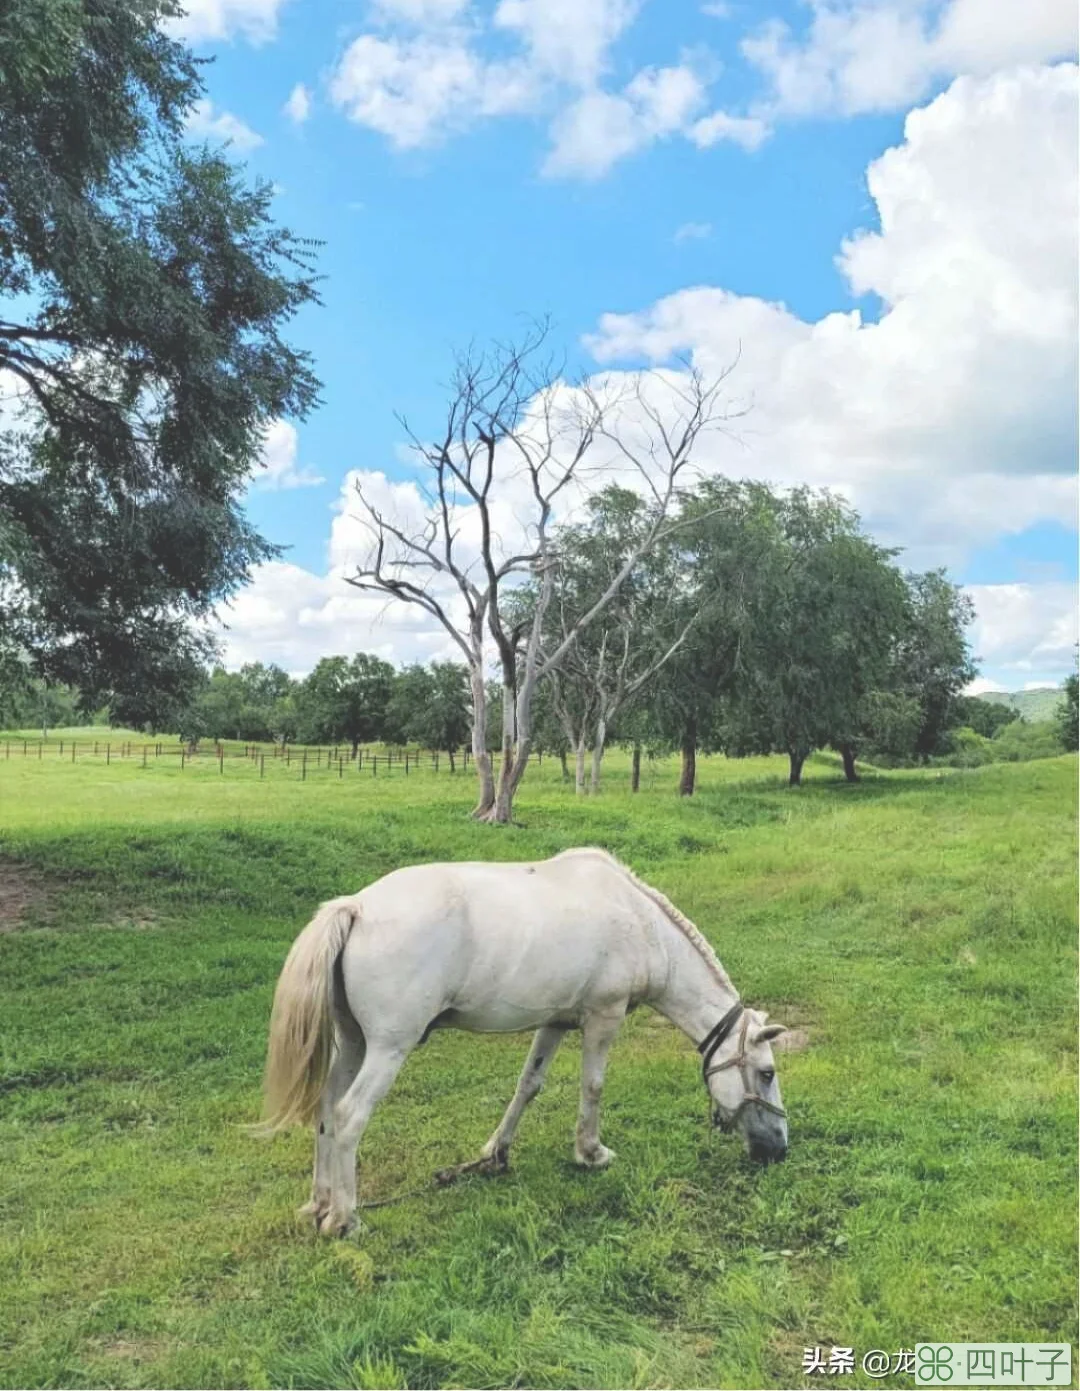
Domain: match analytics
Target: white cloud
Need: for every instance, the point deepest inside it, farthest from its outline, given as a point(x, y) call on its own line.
point(203, 123)
point(747, 131)
point(1025, 628)
point(880, 55)
point(692, 231)
point(278, 468)
point(569, 39)
point(298, 107)
point(599, 129)
point(207, 20)
point(427, 74)
point(421, 13)
point(952, 419)
point(417, 91)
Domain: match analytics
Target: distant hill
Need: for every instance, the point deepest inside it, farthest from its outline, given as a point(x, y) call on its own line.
point(1031, 705)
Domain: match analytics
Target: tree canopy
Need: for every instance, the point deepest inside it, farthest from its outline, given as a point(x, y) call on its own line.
point(144, 292)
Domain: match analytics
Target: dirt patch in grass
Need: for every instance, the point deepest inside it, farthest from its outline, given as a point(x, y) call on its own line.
point(793, 1041)
point(130, 1349)
point(31, 899)
point(22, 891)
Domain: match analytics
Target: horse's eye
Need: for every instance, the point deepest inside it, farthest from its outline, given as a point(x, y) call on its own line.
point(767, 1076)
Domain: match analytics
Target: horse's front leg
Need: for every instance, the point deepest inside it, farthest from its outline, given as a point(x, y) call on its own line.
point(380, 1066)
point(598, 1034)
point(348, 1056)
point(495, 1154)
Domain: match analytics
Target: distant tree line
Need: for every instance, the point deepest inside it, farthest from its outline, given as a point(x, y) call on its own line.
point(763, 622)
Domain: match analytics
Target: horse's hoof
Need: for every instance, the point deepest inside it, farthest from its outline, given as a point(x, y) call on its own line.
point(598, 1157)
point(487, 1165)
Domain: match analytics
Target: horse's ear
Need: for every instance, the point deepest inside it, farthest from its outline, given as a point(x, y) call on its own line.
point(770, 1032)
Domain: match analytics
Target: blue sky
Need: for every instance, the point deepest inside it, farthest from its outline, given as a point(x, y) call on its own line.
point(695, 171)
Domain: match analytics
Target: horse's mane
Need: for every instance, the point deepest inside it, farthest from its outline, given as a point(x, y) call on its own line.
point(693, 934)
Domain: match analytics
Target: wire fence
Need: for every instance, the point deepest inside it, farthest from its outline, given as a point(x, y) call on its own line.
point(299, 761)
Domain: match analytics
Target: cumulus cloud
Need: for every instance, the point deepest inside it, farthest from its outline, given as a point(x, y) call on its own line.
point(204, 21)
point(426, 73)
point(298, 107)
point(204, 123)
point(601, 128)
point(1024, 628)
point(426, 69)
point(952, 418)
point(880, 55)
point(419, 90)
point(278, 468)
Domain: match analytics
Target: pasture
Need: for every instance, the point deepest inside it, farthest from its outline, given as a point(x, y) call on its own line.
point(918, 930)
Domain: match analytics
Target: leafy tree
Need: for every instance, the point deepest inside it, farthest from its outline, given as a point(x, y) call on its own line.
point(828, 607)
point(345, 700)
point(1068, 715)
point(724, 552)
point(144, 290)
point(985, 717)
point(933, 662)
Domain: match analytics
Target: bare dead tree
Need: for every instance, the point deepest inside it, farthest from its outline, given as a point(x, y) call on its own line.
point(518, 437)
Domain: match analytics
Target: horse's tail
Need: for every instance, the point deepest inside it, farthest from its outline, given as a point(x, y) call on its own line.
point(302, 1021)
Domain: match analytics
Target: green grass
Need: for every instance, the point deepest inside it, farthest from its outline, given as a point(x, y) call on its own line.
point(920, 926)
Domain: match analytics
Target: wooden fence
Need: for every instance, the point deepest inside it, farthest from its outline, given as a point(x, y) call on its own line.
point(300, 761)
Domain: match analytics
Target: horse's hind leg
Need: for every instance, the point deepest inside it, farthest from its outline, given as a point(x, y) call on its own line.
point(494, 1155)
point(376, 1076)
point(598, 1034)
point(348, 1056)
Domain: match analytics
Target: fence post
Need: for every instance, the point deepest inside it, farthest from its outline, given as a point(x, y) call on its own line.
point(183, 756)
point(221, 759)
point(303, 768)
point(61, 748)
point(340, 767)
point(73, 750)
point(144, 755)
point(406, 765)
point(262, 764)
point(39, 750)
point(24, 743)
point(108, 754)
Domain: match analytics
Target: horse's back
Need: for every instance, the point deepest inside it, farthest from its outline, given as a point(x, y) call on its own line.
point(500, 945)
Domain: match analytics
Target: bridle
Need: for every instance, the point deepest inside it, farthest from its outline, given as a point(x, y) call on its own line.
point(725, 1120)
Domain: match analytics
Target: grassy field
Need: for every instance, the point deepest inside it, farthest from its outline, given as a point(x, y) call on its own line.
point(918, 927)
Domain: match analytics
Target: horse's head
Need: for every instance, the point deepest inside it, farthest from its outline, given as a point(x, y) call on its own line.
point(741, 1077)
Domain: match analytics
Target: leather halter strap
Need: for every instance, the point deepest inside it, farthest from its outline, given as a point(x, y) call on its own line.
point(708, 1046)
point(716, 1035)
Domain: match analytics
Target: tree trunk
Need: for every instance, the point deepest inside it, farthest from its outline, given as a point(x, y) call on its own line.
point(579, 767)
point(847, 753)
point(689, 759)
point(453, 766)
point(798, 758)
point(635, 770)
point(565, 767)
point(517, 740)
point(481, 757)
point(355, 747)
point(597, 755)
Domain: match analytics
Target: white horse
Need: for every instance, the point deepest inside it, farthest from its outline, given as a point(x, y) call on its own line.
point(566, 943)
